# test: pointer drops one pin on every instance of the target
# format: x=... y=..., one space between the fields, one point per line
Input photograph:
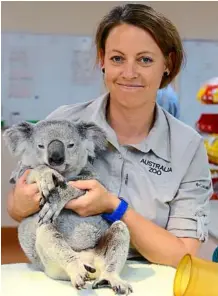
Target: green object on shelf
x=32 y=121
x=2 y=123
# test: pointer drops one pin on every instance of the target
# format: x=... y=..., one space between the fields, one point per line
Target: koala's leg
x=59 y=260
x=27 y=240
x=113 y=248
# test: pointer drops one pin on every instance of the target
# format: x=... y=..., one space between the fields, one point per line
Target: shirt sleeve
x=189 y=210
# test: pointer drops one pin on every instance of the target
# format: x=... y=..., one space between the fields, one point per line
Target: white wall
x=193 y=20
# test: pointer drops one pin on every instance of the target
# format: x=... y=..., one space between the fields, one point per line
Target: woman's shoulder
x=181 y=131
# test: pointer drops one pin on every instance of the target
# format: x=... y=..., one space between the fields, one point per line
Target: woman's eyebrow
x=139 y=53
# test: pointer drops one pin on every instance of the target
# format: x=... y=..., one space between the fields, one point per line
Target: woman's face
x=134 y=65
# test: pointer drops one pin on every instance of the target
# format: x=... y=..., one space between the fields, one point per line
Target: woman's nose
x=129 y=71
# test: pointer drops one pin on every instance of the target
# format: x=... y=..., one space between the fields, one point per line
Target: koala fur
x=58 y=241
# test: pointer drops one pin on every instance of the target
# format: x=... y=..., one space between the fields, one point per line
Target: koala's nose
x=56 y=159
x=56 y=154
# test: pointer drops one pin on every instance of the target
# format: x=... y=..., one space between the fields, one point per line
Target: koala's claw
x=49 y=180
x=101 y=284
x=58 y=179
x=44 y=214
x=41 y=202
x=88 y=278
x=118 y=286
x=49 y=212
x=80 y=275
x=89 y=268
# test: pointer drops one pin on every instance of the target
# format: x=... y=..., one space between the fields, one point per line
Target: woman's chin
x=132 y=101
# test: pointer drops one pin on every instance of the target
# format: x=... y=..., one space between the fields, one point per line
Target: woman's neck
x=131 y=125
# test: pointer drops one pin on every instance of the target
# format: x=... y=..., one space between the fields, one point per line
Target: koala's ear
x=17 y=136
x=95 y=136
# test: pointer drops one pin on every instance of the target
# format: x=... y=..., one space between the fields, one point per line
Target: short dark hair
x=145 y=17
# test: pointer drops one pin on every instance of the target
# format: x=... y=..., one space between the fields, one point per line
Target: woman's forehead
x=128 y=38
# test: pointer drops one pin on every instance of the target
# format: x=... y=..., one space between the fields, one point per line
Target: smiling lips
x=130 y=85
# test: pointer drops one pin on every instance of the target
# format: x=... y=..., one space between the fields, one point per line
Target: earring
x=103 y=70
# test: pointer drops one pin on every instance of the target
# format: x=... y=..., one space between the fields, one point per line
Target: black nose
x=56 y=159
x=56 y=154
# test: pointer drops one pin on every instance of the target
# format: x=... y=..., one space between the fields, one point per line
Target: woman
x=157 y=164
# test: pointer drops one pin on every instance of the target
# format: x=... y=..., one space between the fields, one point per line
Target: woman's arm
x=10 y=207
x=23 y=199
x=155 y=243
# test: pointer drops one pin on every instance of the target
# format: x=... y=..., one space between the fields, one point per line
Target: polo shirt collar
x=98 y=115
x=158 y=139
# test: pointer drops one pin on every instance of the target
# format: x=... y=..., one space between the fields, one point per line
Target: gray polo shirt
x=165 y=178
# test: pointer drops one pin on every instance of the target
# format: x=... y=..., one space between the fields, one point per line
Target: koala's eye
x=41 y=146
x=70 y=145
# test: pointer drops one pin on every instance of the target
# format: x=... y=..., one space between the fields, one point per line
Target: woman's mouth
x=130 y=86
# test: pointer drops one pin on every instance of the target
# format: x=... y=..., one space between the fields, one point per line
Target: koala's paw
x=49 y=212
x=49 y=180
x=79 y=273
x=46 y=178
x=42 y=202
x=114 y=282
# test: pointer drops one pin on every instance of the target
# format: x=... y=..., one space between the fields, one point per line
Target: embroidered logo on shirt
x=198 y=184
x=156 y=168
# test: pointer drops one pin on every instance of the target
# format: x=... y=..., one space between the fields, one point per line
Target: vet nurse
x=155 y=163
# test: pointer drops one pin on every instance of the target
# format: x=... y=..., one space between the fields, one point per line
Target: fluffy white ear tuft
x=17 y=136
x=95 y=137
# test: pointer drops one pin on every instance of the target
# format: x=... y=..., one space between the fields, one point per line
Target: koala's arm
x=56 y=201
x=46 y=179
x=62 y=194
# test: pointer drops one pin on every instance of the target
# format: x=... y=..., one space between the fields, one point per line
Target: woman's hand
x=97 y=199
x=24 y=200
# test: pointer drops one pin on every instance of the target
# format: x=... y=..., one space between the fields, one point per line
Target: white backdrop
x=41 y=72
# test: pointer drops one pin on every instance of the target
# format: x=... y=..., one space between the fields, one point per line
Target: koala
x=56 y=240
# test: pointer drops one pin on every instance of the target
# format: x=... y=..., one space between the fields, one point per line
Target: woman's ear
x=169 y=62
x=101 y=58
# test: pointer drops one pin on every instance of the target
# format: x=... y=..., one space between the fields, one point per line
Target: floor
x=11 y=251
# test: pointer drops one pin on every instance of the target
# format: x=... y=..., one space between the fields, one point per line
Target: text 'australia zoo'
x=156 y=168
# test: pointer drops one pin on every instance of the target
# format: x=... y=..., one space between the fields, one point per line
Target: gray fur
x=58 y=241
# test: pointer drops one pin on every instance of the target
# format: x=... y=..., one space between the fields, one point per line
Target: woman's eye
x=117 y=59
x=70 y=146
x=41 y=146
x=145 y=60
